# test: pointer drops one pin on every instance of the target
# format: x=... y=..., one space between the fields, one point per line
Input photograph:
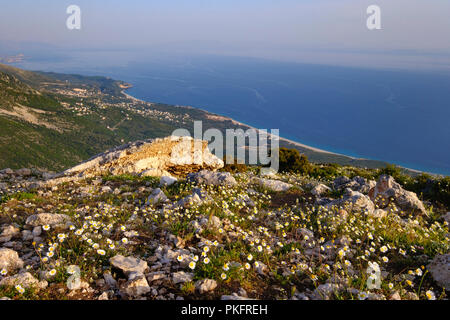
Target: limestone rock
x=320 y=189
x=136 y=286
x=171 y=156
x=43 y=219
x=354 y=201
x=8 y=232
x=182 y=277
x=128 y=264
x=387 y=189
x=440 y=270
x=207 y=285
x=9 y=260
x=26 y=280
x=157 y=196
x=274 y=185
x=167 y=181
x=212 y=178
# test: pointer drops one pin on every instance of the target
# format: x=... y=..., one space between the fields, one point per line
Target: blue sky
x=414 y=32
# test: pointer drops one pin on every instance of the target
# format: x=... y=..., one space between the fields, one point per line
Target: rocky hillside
x=138 y=222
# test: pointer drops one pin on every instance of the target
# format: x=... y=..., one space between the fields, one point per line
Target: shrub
x=292 y=161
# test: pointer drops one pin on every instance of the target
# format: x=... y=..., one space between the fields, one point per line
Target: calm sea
x=397 y=116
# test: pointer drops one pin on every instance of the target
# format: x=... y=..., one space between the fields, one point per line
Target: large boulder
x=171 y=156
x=9 y=260
x=388 y=191
x=212 y=178
x=440 y=270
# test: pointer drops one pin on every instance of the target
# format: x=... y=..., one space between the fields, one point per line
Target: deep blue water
x=397 y=116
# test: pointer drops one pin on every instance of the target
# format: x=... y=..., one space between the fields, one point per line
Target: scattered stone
x=274 y=185
x=206 y=285
x=156 y=197
x=136 y=286
x=182 y=277
x=8 y=232
x=50 y=219
x=128 y=264
x=440 y=270
x=320 y=190
x=9 y=260
x=212 y=178
x=26 y=280
x=167 y=181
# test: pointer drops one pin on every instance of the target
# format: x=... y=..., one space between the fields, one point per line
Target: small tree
x=292 y=161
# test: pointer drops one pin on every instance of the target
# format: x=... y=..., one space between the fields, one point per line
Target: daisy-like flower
x=410 y=283
x=205 y=249
x=223 y=276
x=195 y=258
x=362 y=295
x=123 y=228
x=124 y=240
x=180 y=258
x=384 y=249
x=46 y=227
x=430 y=295
x=50 y=254
x=52 y=272
x=256 y=264
x=391 y=285
x=101 y=252
x=314 y=277
x=61 y=237
x=206 y=260
x=226 y=267
x=20 y=289
x=247 y=266
x=44 y=259
x=250 y=257
x=192 y=265
x=419 y=272
x=385 y=259
x=4 y=272
x=95 y=246
x=112 y=246
x=259 y=248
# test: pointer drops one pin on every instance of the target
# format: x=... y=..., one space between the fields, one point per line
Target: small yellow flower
x=192 y=265
x=52 y=272
x=206 y=261
x=180 y=258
